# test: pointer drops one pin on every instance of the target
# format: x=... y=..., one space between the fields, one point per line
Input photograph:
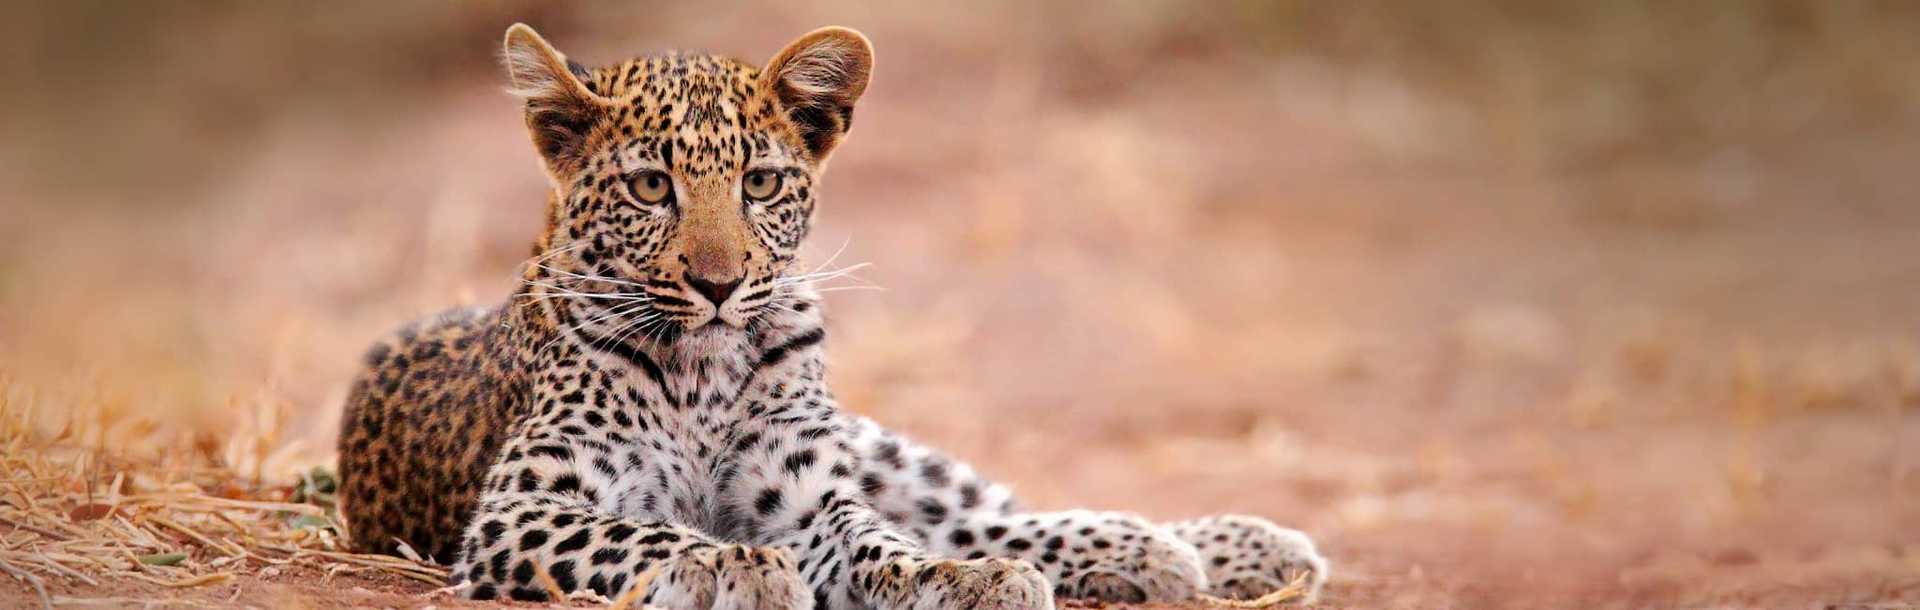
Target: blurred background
x=1499 y=300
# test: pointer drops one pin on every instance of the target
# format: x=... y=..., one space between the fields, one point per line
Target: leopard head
x=682 y=184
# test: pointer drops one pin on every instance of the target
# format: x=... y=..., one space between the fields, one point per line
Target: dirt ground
x=1564 y=310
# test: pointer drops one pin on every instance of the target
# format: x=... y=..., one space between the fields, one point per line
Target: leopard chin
x=709 y=340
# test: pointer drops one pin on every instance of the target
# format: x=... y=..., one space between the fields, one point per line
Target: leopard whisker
x=554 y=292
x=820 y=276
x=641 y=323
x=552 y=252
x=836 y=254
x=612 y=314
x=615 y=312
x=590 y=278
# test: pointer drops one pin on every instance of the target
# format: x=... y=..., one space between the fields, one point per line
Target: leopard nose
x=716 y=292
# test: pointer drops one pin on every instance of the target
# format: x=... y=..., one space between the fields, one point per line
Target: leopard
x=646 y=415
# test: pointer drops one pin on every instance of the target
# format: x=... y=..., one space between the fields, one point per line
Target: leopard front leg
x=540 y=527
x=796 y=489
x=1106 y=556
x=957 y=513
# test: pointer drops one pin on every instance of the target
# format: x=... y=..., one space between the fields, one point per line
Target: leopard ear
x=560 y=108
x=817 y=79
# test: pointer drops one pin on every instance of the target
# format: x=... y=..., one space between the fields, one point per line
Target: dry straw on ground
x=76 y=517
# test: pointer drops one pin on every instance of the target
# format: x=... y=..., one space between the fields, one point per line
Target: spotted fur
x=650 y=405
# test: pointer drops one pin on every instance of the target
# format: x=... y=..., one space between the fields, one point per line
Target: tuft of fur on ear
x=817 y=80
x=560 y=109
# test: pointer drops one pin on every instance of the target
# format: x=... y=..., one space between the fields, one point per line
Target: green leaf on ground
x=163 y=559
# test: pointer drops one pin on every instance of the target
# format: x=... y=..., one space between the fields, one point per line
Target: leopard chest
x=673 y=442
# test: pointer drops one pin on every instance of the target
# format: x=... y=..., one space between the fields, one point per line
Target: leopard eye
x=651 y=187
x=761 y=184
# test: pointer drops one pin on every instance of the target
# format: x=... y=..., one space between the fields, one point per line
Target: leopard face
x=683 y=185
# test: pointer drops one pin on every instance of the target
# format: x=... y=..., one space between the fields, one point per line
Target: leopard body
x=648 y=412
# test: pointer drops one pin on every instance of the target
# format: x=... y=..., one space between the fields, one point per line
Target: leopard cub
x=647 y=412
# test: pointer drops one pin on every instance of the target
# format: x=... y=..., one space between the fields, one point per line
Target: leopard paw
x=1124 y=559
x=1248 y=557
x=730 y=577
x=986 y=584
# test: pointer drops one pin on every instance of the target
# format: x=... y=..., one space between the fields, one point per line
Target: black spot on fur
x=777 y=353
x=969 y=496
x=562 y=573
x=558 y=452
x=497 y=566
x=934 y=472
x=525 y=594
x=799 y=461
x=607 y=555
x=620 y=532
x=768 y=502
x=933 y=509
x=490 y=532
x=533 y=539
x=573 y=543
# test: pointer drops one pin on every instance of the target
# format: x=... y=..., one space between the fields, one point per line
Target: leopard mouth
x=689 y=316
x=615 y=303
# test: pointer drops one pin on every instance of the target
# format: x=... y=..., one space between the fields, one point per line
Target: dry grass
x=78 y=516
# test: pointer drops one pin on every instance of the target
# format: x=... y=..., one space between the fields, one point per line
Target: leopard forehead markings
x=559 y=439
x=699 y=104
